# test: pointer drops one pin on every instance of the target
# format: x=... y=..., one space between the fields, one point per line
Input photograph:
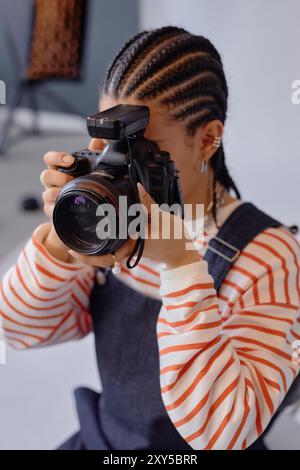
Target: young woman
x=182 y=365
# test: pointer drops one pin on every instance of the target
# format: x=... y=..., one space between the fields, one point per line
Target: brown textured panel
x=56 y=39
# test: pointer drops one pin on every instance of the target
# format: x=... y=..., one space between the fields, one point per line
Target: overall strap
x=243 y=224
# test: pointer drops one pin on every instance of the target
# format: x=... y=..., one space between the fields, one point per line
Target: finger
x=96 y=145
x=104 y=261
x=50 y=195
x=52 y=177
x=55 y=159
x=125 y=250
x=147 y=200
x=48 y=210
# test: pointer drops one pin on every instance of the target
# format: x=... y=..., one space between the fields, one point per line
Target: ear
x=204 y=139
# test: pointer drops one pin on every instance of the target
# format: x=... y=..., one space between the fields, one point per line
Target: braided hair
x=184 y=72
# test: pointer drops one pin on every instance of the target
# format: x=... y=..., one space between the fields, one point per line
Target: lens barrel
x=79 y=213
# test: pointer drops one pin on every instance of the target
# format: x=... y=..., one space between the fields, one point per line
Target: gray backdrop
x=110 y=23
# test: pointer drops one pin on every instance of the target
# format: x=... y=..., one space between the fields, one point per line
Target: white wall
x=259 y=41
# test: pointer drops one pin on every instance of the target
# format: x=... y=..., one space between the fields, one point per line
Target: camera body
x=102 y=177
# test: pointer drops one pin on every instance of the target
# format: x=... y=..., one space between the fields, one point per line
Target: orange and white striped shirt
x=225 y=360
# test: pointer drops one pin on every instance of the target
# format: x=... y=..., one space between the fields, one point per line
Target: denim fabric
x=242 y=225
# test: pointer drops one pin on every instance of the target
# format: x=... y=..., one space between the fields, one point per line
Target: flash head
x=113 y=122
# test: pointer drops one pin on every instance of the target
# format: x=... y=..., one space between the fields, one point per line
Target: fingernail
x=141 y=189
x=68 y=159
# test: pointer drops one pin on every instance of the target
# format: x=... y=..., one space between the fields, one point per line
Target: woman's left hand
x=165 y=241
x=166 y=238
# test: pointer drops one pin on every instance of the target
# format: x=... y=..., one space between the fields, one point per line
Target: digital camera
x=102 y=177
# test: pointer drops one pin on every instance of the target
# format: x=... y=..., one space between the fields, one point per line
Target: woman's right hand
x=53 y=180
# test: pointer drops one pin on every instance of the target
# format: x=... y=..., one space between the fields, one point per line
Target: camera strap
x=137 y=251
x=140 y=242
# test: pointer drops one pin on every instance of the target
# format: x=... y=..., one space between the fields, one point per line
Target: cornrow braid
x=165 y=56
x=124 y=62
x=210 y=87
x=219 y=165
x=178 y=74
x=221 y=174
x=110 y=69
x=210 y=113
x=184 y=72
x=137 y=49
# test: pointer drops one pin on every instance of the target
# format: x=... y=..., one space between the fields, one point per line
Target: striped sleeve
x=226 y=361
x=44 y=301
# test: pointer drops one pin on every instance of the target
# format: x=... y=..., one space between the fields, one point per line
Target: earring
x=204 y=166
x=217 y=142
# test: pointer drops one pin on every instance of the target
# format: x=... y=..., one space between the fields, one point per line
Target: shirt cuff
x=38 y=238
x=184 y=276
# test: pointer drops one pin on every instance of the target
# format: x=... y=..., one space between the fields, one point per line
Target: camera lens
x=80 y=219
x=83 y=219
